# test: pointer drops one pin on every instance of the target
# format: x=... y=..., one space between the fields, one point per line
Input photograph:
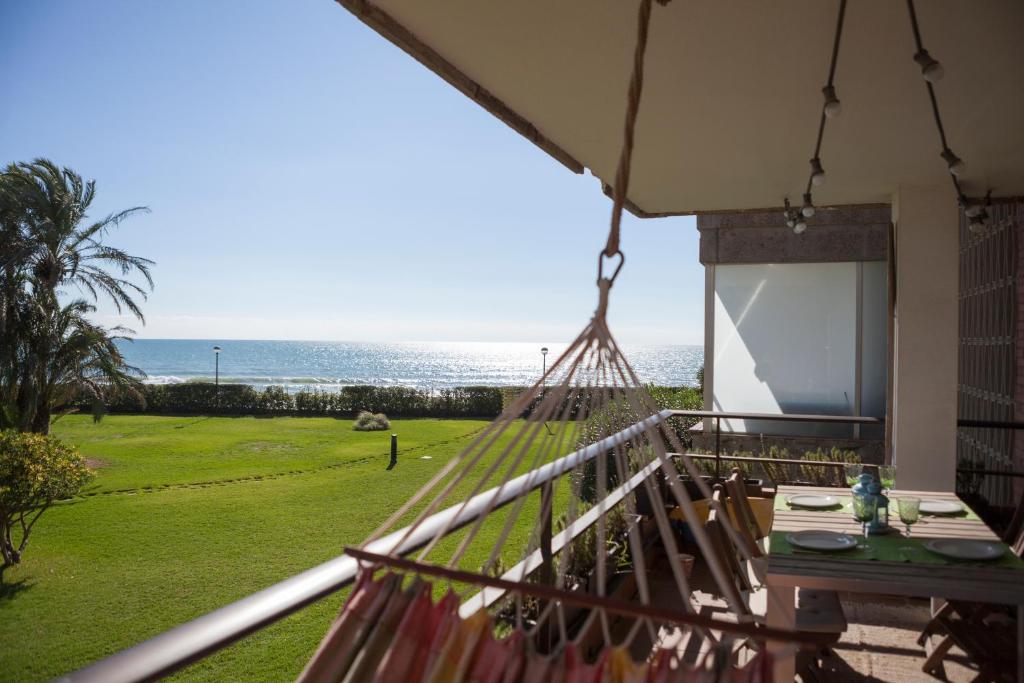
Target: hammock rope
x=589 y=402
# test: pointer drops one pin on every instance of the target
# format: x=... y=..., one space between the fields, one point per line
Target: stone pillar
x=924 y=407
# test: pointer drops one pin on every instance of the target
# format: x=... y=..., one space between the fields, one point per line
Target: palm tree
x=53 y=355
x=55 y=202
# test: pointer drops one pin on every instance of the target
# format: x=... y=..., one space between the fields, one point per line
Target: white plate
x=821 y=540
x=941 y=507
x=812 y=500
x=966 y=549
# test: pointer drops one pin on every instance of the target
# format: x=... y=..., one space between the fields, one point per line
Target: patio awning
x=733 y=91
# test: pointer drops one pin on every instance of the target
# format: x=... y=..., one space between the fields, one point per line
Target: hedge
x=243 y=399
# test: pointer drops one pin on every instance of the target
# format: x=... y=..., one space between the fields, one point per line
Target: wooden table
x=831 y=571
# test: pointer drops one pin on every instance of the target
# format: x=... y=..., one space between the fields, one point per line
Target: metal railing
x=190 y=642
x=990 y=424
x=796 y=417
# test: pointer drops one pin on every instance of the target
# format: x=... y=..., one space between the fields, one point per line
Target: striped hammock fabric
x=388 y=633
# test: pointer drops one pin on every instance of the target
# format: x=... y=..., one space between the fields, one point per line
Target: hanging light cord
x=829 y=85
x=935 y=103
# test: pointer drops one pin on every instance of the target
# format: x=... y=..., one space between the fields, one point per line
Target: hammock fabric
x=592 y=439
x=465 y=651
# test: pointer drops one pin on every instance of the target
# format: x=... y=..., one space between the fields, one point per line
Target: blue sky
x=309 y=180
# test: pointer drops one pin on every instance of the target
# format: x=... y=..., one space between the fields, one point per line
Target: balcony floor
x=881 y=643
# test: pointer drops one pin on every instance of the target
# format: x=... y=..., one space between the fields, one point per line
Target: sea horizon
x=428 y=365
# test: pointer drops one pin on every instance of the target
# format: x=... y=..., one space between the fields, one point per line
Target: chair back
x=723 y=548
x=1013 y=533
x=746 y=522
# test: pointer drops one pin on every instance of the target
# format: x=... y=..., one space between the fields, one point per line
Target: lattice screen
x=987 y=354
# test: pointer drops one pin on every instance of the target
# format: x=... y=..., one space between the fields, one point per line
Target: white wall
x=785 y=341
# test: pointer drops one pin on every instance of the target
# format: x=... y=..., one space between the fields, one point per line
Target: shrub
x=203 y=398
x=370 y=422
x=35 y=470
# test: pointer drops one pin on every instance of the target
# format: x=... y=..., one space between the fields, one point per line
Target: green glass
x=852 y=473
x=864 y=511
x=910 y=511
x=887 y=476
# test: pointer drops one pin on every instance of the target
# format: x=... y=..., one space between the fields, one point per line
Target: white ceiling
x=733 y=91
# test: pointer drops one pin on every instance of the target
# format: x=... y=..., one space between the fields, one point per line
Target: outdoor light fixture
x=216 y=372
x=793 y=216
x=955 y=163
x=808 y=208
x=797 y=219
x=817 y=172
x=832 y=105
x=930 y=68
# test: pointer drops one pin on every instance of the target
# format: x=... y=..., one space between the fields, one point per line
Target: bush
x=370 y=422
x=35 y=470
x=201 y=398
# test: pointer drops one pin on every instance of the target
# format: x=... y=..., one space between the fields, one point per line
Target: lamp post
x=544 y=360
x=216 y=367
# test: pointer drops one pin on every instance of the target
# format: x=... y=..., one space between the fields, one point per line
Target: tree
x=52 y=354
x=35 y=471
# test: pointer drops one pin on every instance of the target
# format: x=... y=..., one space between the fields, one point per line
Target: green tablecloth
x=846 y=506
x=890 y=548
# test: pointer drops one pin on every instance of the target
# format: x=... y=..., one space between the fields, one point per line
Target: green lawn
x=187 y=514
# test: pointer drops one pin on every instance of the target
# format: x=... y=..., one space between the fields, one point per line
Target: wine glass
x=887 y=476
x=910 y=510
x=864 y=508
x=852 y=473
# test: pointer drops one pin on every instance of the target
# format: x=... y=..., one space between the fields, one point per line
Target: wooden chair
x=817 y=611
x=979 y=629
x=746 y=522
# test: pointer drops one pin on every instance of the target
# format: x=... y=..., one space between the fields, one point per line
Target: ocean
x=423 y=365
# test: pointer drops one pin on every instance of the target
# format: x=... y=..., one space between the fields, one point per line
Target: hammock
x=554 y=600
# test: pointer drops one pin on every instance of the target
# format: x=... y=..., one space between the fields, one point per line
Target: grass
x=187 y=514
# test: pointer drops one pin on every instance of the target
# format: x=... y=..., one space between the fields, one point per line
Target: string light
x=953 y=162
x=832 y=104
x=808 y=208
x=817 y=172
x=793 y=218
x=977 y=214
x=930 y=68
x=830 y=109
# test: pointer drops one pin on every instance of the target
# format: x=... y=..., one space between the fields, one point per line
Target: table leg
x=782 y=614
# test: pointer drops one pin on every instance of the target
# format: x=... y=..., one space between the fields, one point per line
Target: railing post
x=546 y=574
x=718 y=449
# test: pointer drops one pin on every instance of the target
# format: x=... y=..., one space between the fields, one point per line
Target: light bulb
x=808 y=208
x=933 y=72
x=930 y=68
x=799 y=227
x=954 y=163
x=790 y=223
x=832 y=105
x=973 y=210
x=817 y=172
x=977 y=225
